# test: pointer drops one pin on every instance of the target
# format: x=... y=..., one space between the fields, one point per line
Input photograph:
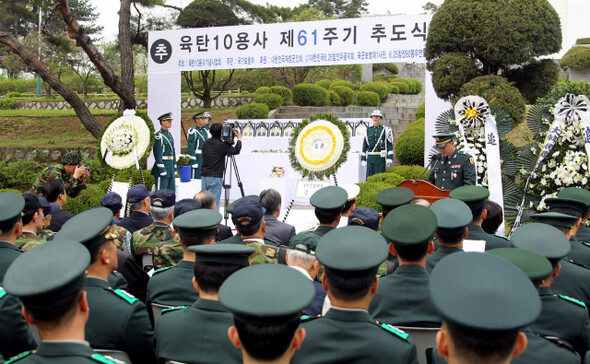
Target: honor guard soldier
x=164 y=170
x=580 y=194
x=49 y=281
x=484 y=302
x=196 y=138
x=402 y=297
x=348 y=333
x=198 y=333
x=377 y=151
x=266 y=301
x=118 y=320
x=452 y=168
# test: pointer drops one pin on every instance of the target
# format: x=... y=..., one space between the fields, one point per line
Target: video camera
x=228 y=133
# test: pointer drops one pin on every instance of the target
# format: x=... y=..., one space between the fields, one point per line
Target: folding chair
x=424 y=337
x=115 y=354
x=157 y=310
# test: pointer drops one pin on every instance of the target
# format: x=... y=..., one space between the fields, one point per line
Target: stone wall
x=42 y=155
x=186 y=103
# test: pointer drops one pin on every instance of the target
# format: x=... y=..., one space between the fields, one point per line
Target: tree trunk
x=34 y=64
x=126 y=48
x=83 y=41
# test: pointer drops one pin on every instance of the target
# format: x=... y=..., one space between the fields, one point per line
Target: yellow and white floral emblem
x=319 y=145
x=125 y=141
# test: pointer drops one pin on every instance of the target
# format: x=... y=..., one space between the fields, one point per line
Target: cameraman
x=71 y=171
x=214 y=151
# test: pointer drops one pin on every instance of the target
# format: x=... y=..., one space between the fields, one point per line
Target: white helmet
x=377 y=113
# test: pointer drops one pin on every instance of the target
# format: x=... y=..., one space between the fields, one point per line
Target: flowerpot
x=185 y=173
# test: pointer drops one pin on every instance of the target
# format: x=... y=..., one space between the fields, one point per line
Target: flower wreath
x=319 y=146
x=126 y=140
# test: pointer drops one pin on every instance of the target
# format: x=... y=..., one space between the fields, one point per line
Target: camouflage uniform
x=146 y=239
x=167 y=254
x=265 y=253
x=28 y=241
x=54 y=171
x=46 y=234
x=123 y=239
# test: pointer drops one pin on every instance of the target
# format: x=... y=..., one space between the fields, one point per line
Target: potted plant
x=184 y=168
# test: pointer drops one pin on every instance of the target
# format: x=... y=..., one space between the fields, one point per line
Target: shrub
x=382 y=77
x=393 y=89
x=14 y=94
x=7 y=103
x=345 y=94
x=380 y=88
x=417 y=85
x=306 y=94
x=324 y=83
x=416 y=124
x=409 y=148
x=252 y=111
x=273 y=101
x=409 y=172
x=374 y=185
x=19 y=175
x=262 y=90
x=282 y=91
x=87 y=199
x=404 y=87
x=421 y=112
x=367 y=98
x=583 y=41
x=334 y=98
x=564 y=87
x=535 y=79
x=577 y=58
x=450 y=72
x=17 y=85
x=343 y=83
x=392 y=179
x=391 y=67
x=498 y=92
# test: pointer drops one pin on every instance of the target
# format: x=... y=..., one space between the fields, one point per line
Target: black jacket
x=214 y=152
x=137 y=220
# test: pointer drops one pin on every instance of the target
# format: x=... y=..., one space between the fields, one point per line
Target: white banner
x=314 y=43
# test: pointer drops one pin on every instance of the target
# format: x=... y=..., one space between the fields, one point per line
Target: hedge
x=252 y=111
x=409 y=148
x=343 y=83
x=324 y=83
x=334 y=98
x=380 y=88
x=307 y=94
x=583 y=41
x=393 y=89
x=409 y=172
x=282 y=91
x=345 y=94
x=273 y=101
x=382 y=77
x=367 y=98
x=416 y=124
x=421 y=112
x=577 y=58
x=262 y=90
x=7 y=103
x=404 y=87
x=374 y=185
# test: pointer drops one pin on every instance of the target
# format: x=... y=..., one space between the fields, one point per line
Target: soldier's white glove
x=364 y=163
x=388 y=163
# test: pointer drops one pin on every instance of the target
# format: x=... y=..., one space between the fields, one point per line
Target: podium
x=425 y=190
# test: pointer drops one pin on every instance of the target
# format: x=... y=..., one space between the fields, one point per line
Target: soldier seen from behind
x=580 y=194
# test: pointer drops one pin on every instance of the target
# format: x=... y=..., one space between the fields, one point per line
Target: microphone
x=433 y=159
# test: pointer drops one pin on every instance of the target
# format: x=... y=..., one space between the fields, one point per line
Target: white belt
x=198 y=152
x=374 y=153
x=168 y=158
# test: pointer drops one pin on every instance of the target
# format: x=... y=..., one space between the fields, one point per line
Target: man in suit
x=402 y=297
x=348 y=333
x=55 y=193
x=198 y=333
x=138 y=198
x=452 y=168
x=276 y=230
x=55 y=303
x=117 y=320
x=207 y=201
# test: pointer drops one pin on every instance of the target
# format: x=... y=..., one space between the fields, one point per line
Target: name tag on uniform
x=456 y=166
x=383 y=154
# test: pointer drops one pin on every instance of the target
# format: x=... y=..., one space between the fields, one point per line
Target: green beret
x=202 y=222
x=351 y=249
x=473 y=196
x=394 y=197
x=266 y=294
x=534 y=265
x=477 y=292
x=90 y=227
x=11 y=209
x=409 y=224
x=452 y=215
x=305 y=241
x=567 y=203
x=71 y=158
x=166 y=116
x=542 y=239
x=442 y=139
x=555 y=219
x=50 y=271
x=222 y=253
x=329 y=198
x=576 y=193
x=230 y=207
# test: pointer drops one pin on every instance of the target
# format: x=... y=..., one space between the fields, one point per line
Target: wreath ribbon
x=569 y=110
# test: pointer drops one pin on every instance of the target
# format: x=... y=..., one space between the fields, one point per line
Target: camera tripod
x=230 y=161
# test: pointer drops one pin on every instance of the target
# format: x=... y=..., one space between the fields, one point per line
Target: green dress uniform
x=565 y=318
x=8 y=253
x=377 y=149
x=580 y=252
x=54 y=171
x=572 y=281
x=146 y=239
x=476 y=232
x=353 y=336
x=196 y=139
x=62 y=352
x=453 y=171
x=322 y=230
x=442 y=251
x=173 y=286
x=165 y=156
x=403 y=299
x=196 y=334
x=118 y=321
x=583 y=234
x=15 y=336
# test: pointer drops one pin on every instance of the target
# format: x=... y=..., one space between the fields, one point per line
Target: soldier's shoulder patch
x=471 y=160
x=2 y=292
x=128 y=297
x=101 y=359
x=170 y=309
x=19 y=357
x=394 y=330
x=570 y=299
x=161 y=270
x=306 y=318
x=585 y=243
